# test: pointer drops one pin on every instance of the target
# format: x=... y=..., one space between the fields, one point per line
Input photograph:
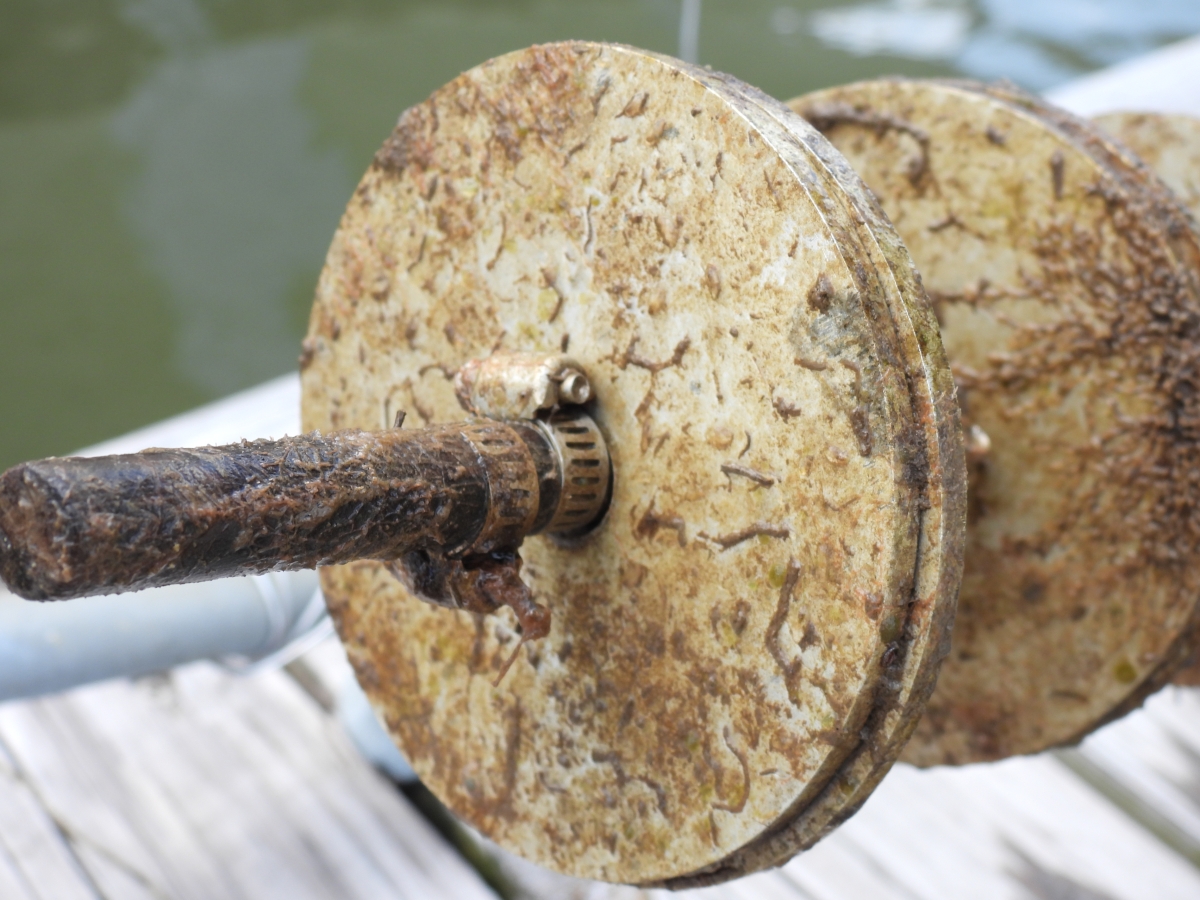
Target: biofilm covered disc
x=760 y=611
x=1064 y=278
x=1170 y=146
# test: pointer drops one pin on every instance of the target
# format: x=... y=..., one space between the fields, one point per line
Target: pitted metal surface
x=727 y=641
x=1064 y=277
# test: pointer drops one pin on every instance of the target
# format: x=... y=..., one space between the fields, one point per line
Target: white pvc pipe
x=48 y=647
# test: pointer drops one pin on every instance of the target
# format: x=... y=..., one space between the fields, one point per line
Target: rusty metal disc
x=1170 y=145
x=759 y=601
x=1064 y=278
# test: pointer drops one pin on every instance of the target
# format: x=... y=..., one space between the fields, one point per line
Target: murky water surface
x=171 y=171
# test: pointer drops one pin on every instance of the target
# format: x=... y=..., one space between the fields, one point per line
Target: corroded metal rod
x=74 y=527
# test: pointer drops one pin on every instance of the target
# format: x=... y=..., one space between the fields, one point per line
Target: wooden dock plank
x=1006 y=830
x=36 y=862
x=201 y=784
x=1149 y=764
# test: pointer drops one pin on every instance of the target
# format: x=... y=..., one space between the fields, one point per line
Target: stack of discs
x=741 y=647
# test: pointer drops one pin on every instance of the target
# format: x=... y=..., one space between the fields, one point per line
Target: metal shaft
x=75 y=527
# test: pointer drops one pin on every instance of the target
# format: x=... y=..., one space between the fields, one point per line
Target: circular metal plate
x=726 y=642
x=1063 y=277
x=1170 y=145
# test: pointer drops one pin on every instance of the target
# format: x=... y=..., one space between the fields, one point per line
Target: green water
x=171 y=171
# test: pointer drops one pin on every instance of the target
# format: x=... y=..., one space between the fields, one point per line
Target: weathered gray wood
x=1149 y=764
x=1005 y=830
x=200 y=784
x=36 y=860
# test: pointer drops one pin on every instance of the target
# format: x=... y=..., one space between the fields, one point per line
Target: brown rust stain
x=631 y=358
x=758 y=529
x=820 y=295
x=651 y=521
x=1057 y=165
x=788 y=668
x=746 y=472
